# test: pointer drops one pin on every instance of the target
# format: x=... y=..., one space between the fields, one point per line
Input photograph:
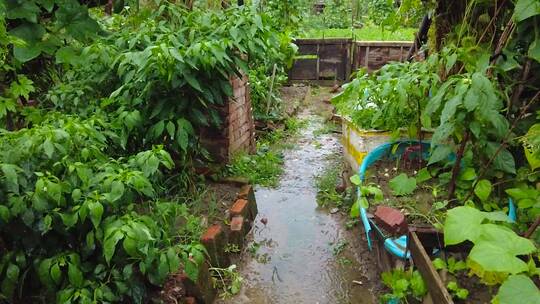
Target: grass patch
x=266 y=165
x=367 y=33
x=327 y=128
x=327 y=182
x=326 y=187
x=262 y=168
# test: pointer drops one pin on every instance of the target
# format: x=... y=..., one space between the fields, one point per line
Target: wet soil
x=417 y=207
x=300 y=253
x=215 y=201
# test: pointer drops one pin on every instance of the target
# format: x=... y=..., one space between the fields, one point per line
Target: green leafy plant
x=404 y=283
x=456 y=291
x=83 y=164
x=389 y=99
x=496 y=247
x=228 y=280
x=365 y=192
x=452 y=265
x=326 y=184
x=402 y=184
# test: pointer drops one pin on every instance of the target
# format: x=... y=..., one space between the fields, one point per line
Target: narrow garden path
x=301 y=253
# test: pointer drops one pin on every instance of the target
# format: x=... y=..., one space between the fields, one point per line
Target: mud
x=300 y=253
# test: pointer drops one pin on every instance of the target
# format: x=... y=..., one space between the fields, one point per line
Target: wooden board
x=436 y=288
x=334 y=59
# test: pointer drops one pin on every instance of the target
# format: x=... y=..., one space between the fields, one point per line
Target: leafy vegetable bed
x=406 y=189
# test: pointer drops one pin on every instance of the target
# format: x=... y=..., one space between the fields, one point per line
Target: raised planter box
x=357 y=142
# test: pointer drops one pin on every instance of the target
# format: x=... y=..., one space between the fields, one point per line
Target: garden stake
x=269 y=97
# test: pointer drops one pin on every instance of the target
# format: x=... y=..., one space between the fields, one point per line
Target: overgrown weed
x=266 y=165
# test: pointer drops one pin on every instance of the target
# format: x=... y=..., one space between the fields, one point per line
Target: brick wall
x=237 y=131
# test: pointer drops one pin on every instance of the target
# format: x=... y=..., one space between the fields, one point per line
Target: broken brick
x=392 y=220
x=238 y=231
x=247 y=193
x=240 y=207
x=215 y=240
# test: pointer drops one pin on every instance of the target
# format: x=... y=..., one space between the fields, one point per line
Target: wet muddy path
x=303 y=254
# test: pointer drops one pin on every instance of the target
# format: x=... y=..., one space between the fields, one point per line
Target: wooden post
x=318 y=59
x=109 y=7
x=366 y=60
x=269 y=97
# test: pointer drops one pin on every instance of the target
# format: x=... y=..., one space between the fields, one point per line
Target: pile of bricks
x=237 y=131
x=216 y=239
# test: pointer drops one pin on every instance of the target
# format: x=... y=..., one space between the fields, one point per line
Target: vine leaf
x=518 y=289
x=483 y=189
x=402 y=184
x=440 y=153
x=496 y=247
x=534 y=49
x=504 y=160
x=526 y=9
x=355 y=179
x=462 y=223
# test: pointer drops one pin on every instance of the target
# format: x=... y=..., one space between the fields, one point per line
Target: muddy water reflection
x=297 y=261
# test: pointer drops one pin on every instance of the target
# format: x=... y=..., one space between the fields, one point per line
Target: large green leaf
x=462 y=223
x=11 y=177
x=402 y=184
x=96 y=212
x=534 y=49
x=31 y=34
x=497 y=249
x=109 y=245
x=518 y=289
x=525 y=9
x=22 y=10
x=504 y=160
x=75 y=275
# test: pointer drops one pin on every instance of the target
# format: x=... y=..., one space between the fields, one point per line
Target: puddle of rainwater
x=302 y=256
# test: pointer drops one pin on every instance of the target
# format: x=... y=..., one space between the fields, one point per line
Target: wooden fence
x=331 y=61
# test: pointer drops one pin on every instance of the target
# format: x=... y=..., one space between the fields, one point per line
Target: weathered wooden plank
x=307 y=49
x=322 y=41
x=335 y=59
x=304 y=69
x=384 y=43
x=422 y=261
x=366 y=60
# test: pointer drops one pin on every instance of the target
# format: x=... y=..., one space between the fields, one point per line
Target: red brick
x=237 y=223
x=240 y=207
x=190 y=300
x=239 y=228
x=215 y=240
x=211 y=233
x=247 y=193
x=391 y=219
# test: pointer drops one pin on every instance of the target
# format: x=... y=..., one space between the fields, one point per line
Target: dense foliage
x=478 y=93
x=99 y=116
